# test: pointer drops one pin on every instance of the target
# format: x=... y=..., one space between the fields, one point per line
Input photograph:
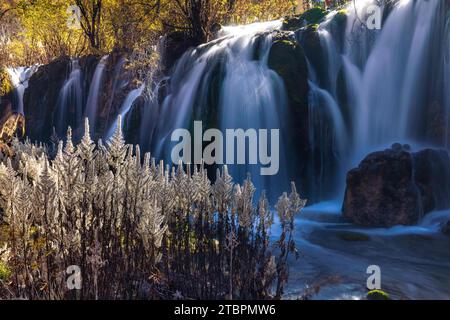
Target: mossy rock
x=353 y=236
x=310 y=41
x=377 y=295
x=5 y=83
x=288 y=60
x=312 y=16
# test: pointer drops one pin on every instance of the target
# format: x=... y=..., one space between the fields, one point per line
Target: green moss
x=286 y=58
x=353 y=236
x=314 y=15
x=314 y=27
x=377 y=295
x=311 y=17
x=5 y=83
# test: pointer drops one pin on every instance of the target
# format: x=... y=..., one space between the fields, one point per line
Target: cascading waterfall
x=70 y=100
x=125 y=108
x=231 y=73
x=390 y=92
x=19 y=79
x=252 y=96
x=94 y=91
x=386 y=75
x=371 y=89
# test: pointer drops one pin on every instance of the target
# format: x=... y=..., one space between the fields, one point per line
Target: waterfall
x=19 y=79
x=94 y=91
x=125 y=108
x=385 y=77
x=227 y=84
x=390 y=92
x=70 y=100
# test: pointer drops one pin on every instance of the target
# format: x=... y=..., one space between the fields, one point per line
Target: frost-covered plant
x=136 y=229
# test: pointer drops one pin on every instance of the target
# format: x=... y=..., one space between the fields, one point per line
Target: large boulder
x=397 y=187
x=311 y=16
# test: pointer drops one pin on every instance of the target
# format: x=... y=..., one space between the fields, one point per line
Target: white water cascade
x=447 y=81
x=384 y=75
x=231 y=73
x=19 y=79
x=94 y=91
x=125 y=108
x=70 y=97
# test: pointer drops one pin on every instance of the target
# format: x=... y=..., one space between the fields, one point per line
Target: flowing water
x=389 y=80
x=19 y=79
x=125 y=108
x=387 y=76
x=95 y=90
x=372 y=88
x=227 y=85
x=70 y=101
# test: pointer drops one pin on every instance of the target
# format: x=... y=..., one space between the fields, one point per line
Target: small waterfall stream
x=125 y=108
x=95 y=91
x=70 y=100
x=19 y=79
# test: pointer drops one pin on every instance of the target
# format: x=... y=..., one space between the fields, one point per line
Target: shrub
x=137 y=229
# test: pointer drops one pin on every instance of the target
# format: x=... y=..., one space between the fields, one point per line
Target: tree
x=91 y=19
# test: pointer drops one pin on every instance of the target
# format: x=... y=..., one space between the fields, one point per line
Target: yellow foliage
x=39 y=30
x=5 y=82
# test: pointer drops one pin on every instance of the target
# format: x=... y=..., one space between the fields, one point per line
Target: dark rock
x=174 y=45
x=446 y=228
x=41 y=96
x=312 y=16
x=353 y=236
x=132 y=122
x=287 y=59
x=432 y=176
x=381 y=191
x=396 y=147
x=310 y=41
x=436 y=124
x=396 y=187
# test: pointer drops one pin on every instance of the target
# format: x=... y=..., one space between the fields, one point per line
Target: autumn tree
x=91 y=18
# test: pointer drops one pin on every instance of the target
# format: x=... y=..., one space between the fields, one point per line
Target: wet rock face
x=174 y=45
x=40 y=98
x=396 y=187
x=381 y=191
x=432 y=176
x=287 y=59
